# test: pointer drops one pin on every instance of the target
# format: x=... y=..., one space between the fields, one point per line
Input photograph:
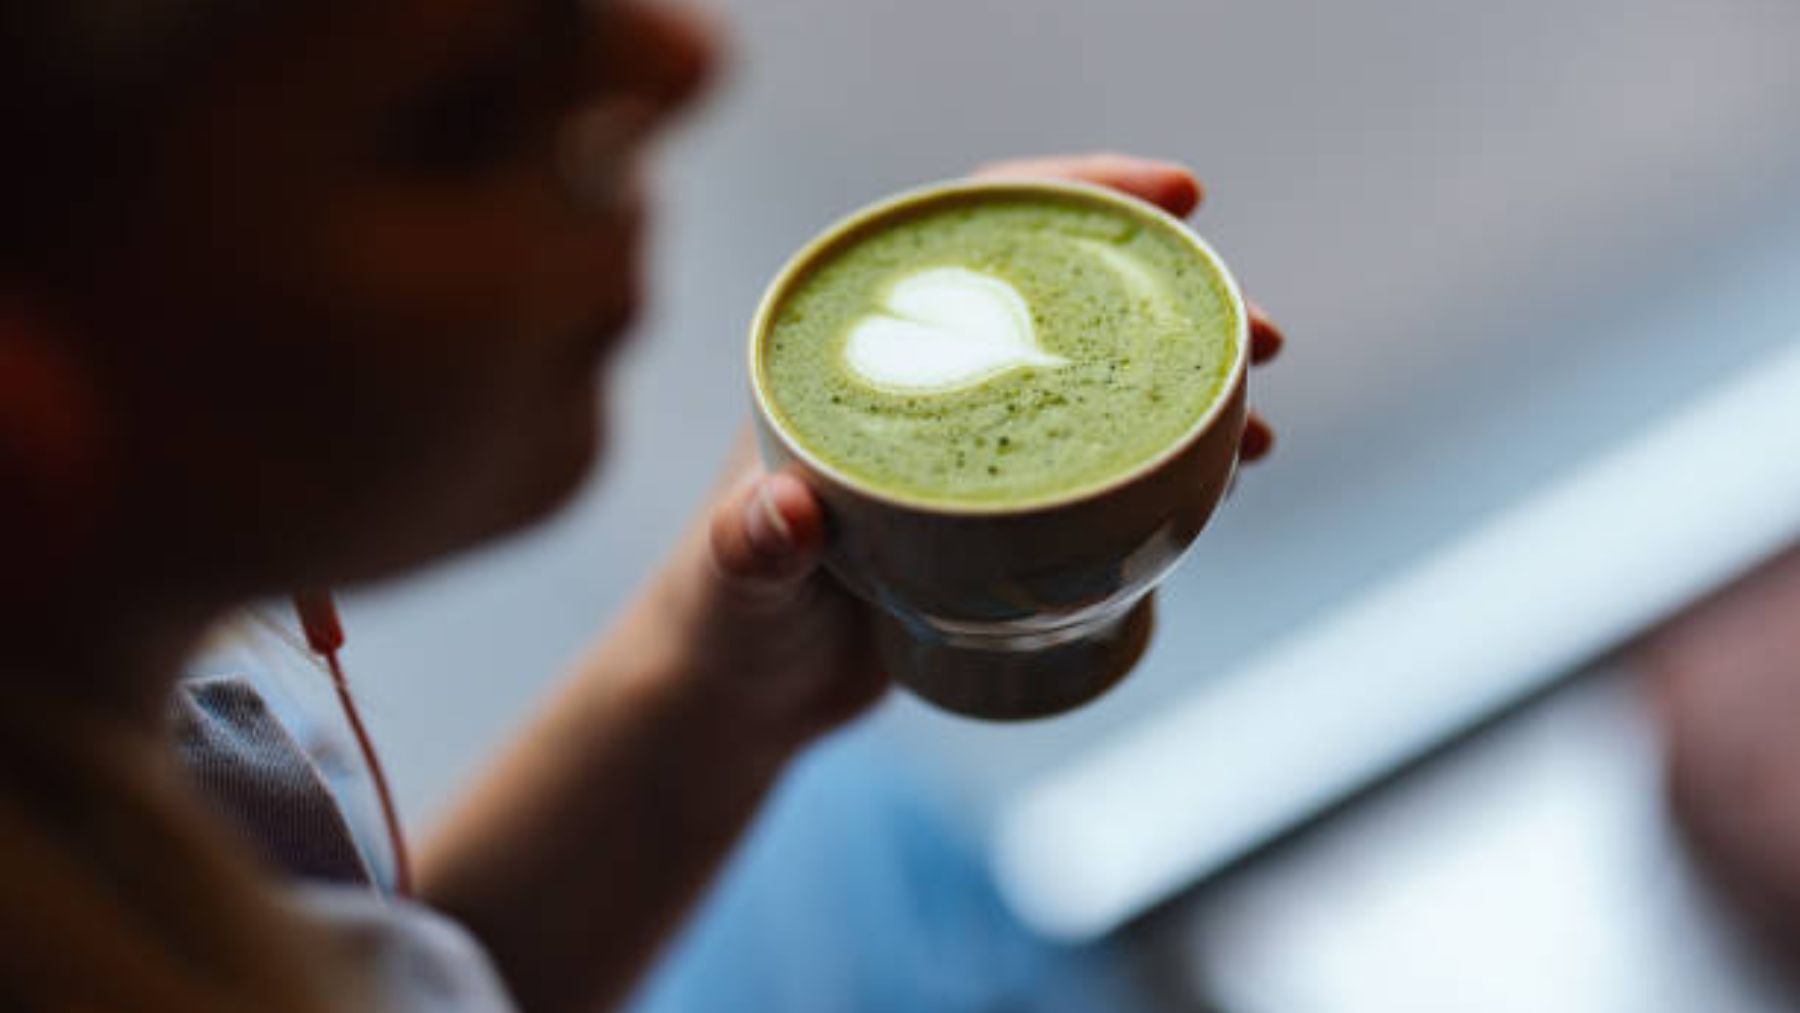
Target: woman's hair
x=116 y=889
x=118 y=892
x=83 y=86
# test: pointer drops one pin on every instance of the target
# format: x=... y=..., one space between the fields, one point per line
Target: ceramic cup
x=1007 y=613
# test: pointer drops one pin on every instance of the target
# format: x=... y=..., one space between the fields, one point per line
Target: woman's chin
x=564 y=462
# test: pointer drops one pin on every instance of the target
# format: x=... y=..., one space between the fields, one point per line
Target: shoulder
x=417 y=960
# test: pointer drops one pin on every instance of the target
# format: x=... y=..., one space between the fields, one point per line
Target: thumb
x=767 y=534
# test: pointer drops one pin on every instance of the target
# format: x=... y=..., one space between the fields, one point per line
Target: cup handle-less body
x=1009 y=616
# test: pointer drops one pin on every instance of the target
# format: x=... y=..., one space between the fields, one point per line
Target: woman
x=297 y=295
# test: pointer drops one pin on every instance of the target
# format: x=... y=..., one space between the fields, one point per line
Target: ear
x=51 y=443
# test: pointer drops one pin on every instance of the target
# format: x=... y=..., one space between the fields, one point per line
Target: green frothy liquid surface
x=1145 y=323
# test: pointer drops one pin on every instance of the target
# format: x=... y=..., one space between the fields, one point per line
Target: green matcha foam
x=1011 y=350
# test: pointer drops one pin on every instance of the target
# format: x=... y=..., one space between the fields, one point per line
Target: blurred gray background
x=1482 y=225
x=1453 y=208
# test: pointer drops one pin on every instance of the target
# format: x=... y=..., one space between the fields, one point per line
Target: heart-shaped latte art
x=944 y=329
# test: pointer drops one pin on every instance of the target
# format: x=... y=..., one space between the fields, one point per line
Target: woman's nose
x=662 y=52
x=650 y=60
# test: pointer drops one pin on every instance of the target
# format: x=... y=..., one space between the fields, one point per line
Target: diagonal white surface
x=1620 y=543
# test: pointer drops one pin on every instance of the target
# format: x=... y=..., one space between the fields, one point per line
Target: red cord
x=325 y=635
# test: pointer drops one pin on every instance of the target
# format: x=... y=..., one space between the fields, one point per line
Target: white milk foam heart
x=944 y=329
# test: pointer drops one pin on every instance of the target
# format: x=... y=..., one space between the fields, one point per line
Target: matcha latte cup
x=1019 y=402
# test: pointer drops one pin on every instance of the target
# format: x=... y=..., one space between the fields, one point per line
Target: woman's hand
x=1725 y=684
x=578 y=852
x=777 y=629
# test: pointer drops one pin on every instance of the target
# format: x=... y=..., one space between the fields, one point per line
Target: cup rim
x=919 y=196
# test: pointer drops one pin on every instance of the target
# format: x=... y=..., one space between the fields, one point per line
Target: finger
x=1259 y=439
x=767 y=532
x=1167 y=185
x=1266 y=339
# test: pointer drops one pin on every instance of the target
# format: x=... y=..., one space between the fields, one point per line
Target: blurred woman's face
x=362 y=320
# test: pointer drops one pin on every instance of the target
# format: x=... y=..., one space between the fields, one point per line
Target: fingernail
x=768 y=530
